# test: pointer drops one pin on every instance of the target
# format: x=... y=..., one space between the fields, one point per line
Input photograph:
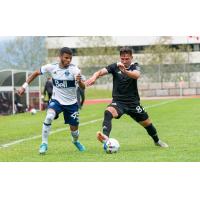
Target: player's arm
x=28 y=81
x=95 y=76
x=132 y=74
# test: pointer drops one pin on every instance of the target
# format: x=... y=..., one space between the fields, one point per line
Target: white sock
x=47 y=125
x=75 y=135
x=45 y=133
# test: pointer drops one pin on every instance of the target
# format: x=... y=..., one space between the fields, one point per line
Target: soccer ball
x=111 y=146
x=33 y=111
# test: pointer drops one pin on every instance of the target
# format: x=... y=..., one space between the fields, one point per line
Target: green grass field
x=177 y=122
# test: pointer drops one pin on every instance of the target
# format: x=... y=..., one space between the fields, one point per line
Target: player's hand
x=78 y=78
x=121 y=67
x=90 y=81
x=21 y=91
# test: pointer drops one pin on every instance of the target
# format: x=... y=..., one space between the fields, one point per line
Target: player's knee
x=108 y=115
x=145 y=123
x=50 y=116
x=113 y=111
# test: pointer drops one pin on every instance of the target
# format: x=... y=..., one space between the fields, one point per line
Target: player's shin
x=45 y=132
x=75 y=135
x=107 y=123
x=151 y=130
x=47 y=126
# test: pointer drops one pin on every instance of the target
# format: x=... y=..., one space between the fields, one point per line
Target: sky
x=5 y=38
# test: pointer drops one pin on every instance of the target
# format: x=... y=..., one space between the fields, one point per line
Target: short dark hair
x=124 y=50
x=65 y=50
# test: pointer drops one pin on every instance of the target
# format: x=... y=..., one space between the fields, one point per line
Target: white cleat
x=161 y=144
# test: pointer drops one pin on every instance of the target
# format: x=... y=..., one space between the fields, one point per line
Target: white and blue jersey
x=64 y=83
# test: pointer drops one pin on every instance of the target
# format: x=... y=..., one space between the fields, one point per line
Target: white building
x=137 y=43
x=149 y=86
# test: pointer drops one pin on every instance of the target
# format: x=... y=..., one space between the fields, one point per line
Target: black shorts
x=135 y=111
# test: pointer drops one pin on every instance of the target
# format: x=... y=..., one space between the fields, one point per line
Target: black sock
x=107 y=125
x=151 y=130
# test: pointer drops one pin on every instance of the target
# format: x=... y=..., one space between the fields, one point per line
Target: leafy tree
x=96 y=51
x=164 y=61
x=23 y=53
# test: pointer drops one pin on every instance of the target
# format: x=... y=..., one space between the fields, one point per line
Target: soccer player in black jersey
x=125 y=96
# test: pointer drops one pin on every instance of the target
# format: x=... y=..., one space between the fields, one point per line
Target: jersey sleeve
x=110 y=68
x=76 y=71
x=135 y=66
x=46 y=68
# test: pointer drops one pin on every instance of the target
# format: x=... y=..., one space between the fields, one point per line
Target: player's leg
x=49 y=97
x=151 y=130
x=82 y=93
x=78 y=94
x=75 y=138
x=54 y=108
x=110 y=113
x=46 y=130
x=71 y=116
x=141 y=116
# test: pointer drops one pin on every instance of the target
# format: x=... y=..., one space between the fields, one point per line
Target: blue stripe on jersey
x=63 y=83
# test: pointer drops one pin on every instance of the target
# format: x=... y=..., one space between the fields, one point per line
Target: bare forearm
x=96 y=75
x=33 y=76
x=99 y=73
x=132 y=74
x=29 y=80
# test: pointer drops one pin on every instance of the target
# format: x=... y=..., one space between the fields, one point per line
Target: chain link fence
x=159 y=80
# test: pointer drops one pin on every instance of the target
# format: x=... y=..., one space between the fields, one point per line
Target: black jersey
x=124 y=88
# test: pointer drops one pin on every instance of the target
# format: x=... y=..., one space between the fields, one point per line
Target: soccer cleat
x=161 y=144
x=43 y=148
x=79 y=146
x=102 y=137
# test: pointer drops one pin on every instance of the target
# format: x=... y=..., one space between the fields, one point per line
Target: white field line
x=82 y=124
x=160 y=104
x=38 y=136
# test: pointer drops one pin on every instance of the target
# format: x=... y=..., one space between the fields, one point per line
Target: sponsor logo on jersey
x=63 y=83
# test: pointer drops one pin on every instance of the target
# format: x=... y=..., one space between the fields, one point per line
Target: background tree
x=96 y=52
x=26 y=53
x=164 y=62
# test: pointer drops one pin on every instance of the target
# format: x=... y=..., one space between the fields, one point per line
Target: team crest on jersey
x=67 y=73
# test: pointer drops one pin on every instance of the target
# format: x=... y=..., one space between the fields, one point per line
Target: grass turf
x=176 y=122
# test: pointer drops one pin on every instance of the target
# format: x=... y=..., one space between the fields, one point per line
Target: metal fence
x=160 y=80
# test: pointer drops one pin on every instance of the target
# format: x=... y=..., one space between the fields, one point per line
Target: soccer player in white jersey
x=64 y=76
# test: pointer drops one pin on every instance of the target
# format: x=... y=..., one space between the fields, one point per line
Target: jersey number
x=139 y=109
x=75 y=115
